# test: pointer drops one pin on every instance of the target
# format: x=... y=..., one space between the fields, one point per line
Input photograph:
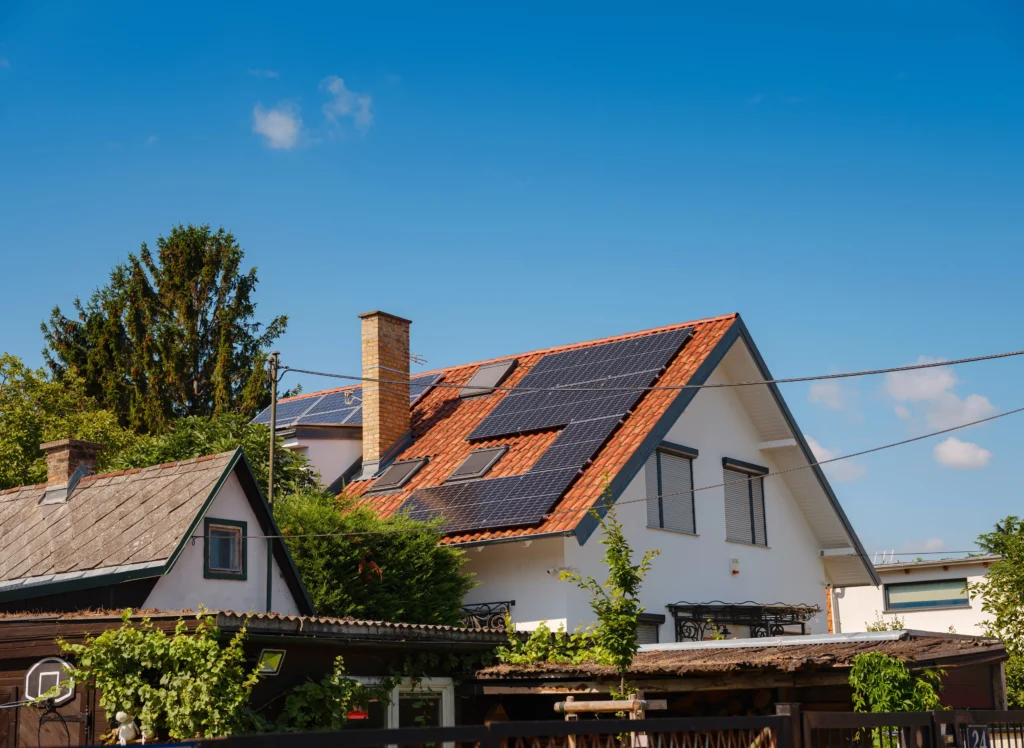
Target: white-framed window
x=745 y=520
x=424 y=702
x=669 y=478
x=940 y=593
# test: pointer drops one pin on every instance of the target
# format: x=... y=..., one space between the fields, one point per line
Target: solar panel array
x=588 y=415
x=344 y=408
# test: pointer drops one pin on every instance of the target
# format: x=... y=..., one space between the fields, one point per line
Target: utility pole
x=275 y=363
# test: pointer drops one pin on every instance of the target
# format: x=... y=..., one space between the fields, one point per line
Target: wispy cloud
x=281 y=125
x=960 y=455
x=345 y=103
x=756 y=99
x=926 y=545
x=845 y=471
x=263 y=73
x=831 y=394
x=930 y=391
x=4 y=63
x=151 y=140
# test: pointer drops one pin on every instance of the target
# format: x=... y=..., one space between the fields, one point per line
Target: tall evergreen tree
x=170 y=335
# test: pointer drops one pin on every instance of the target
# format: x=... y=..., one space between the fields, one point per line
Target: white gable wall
x=856 y=607
x=185 y=588
x=698 y=568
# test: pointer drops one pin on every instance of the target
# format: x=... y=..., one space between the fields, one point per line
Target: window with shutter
x=745 y=520
x=669 y=479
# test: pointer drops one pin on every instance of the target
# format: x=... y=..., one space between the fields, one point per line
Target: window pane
x=419 y=710
x=224 y=549
x=940 y=594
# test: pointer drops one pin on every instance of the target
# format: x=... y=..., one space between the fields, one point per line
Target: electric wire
x=582 y=510
x=672 y=387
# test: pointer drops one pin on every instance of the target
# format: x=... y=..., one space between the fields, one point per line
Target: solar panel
x=634 y=363
x=594 y=388
x=498 y=502
x=344 y=408
x=487 y=377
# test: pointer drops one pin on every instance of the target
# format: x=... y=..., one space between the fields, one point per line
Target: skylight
x=398 y=474
x=478 y=463
x=487 y=377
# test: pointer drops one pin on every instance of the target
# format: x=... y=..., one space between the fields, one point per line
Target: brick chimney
x=386 y=414
x=67 y=462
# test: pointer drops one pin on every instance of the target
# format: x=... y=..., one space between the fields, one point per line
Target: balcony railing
x=694 y=621
x=486 y=615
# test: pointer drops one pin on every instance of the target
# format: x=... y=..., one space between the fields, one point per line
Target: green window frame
x=216 y=530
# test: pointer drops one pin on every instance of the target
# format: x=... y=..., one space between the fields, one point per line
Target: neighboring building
x=924 y=595
x=517 y=471
x=175 y=537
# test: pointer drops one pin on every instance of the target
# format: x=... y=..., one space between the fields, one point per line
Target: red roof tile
x=441 y=422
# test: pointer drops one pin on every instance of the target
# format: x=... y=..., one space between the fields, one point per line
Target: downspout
x=274 y=362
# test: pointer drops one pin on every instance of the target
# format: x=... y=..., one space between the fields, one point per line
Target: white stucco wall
x=185 y=588
x=693 y=568
x=329 y=457
x=524 y=573
x=855 y=607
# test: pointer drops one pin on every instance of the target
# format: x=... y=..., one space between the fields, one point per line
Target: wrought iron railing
x=694 y=621
x=486 y=615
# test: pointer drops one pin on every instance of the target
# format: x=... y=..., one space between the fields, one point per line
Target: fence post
x=789 y=732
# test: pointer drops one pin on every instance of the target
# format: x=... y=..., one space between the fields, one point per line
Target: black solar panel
x=343 y=408
x=499 y=502
x=596 y=387
x=632 y=363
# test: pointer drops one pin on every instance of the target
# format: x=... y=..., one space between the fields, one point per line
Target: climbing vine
x=325 y=704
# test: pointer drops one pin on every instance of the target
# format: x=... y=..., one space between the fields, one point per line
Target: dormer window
x=398 y=474
x=478 y=464
x=487 y=377
x=225 y=549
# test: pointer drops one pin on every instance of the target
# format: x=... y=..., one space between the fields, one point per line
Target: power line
x=690 y=491
x=788 y=380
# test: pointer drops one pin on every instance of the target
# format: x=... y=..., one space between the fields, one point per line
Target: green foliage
x=36 y=408
x=881 y=624
x=615 y=603
x=170 y=335
x=398 y=574
x=324 y=705
x=183 y=686
x=1001 y=592
x=198 y=436
x=882 y=683
x=612 y=639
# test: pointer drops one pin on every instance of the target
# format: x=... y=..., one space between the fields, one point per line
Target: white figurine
x=125 y=728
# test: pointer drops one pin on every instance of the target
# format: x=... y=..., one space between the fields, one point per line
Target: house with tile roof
x=517 y=455
x=174 y=537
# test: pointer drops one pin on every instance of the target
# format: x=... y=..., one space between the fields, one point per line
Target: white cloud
x=281 y=125
x=959 y=455
x=151 y=140
x=932 y=391
x=263 y=73
x=830 y=394
x=845 y=471
x=346 y=103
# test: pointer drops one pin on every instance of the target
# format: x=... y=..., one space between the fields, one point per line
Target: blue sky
x=849 y=178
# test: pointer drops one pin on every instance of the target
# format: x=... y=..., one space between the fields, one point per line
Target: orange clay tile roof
x=441 y=422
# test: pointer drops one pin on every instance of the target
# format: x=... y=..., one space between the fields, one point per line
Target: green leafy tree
x=882 y=624
x=615 y=603
x=184 y=686
x=355 y=563
x=172 y=334
x=325 y=704
x=197 y=436
x=36 y=408
x=1001 y=592
x=882 y=683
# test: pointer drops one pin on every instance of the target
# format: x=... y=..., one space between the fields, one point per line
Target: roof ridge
x=539 y=351
x=154 y=468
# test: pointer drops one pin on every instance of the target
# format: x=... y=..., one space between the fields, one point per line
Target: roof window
x=398 y=474
x=478 y=463
x=487 y=377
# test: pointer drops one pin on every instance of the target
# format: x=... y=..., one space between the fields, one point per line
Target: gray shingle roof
x=128 y=518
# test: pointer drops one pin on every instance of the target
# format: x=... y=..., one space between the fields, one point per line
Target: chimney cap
x=379 y=313
x=71 y=444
